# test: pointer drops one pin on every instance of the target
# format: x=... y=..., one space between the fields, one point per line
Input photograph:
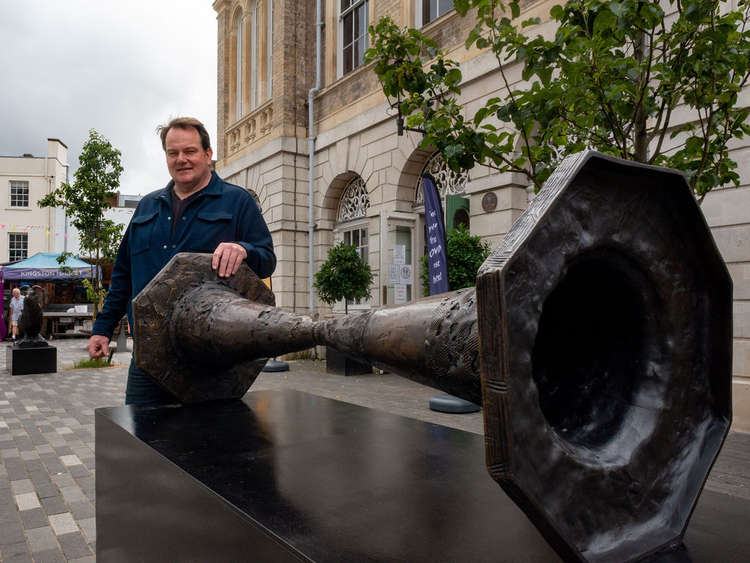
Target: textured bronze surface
x=605 y=360
x=30 y=322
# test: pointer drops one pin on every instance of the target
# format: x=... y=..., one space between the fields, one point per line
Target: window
x=354 y=201
x=19 y=193
x=269 y=49
x=254 y=56
x=358 y=238
x=353 y=25
x=433 y=9
x=18 y=246
x=240 y=67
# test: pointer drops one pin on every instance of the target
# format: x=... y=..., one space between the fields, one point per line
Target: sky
x=120 y=67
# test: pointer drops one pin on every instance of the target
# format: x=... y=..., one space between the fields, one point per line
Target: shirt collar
x=213 y=188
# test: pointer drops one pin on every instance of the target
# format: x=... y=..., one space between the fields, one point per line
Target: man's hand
x=98 y=346
x=227 y=258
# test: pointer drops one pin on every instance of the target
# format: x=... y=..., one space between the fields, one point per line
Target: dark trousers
x=142 y=390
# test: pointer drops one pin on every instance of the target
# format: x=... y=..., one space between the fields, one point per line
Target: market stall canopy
x=44 y=266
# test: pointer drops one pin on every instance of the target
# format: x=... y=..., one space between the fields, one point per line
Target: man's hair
x=184 y=123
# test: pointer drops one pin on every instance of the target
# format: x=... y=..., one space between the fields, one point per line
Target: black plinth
x=287 y=476
x=25 y=361
x=341 y=364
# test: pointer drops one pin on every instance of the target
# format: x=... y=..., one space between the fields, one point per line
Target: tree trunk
x=640 y=138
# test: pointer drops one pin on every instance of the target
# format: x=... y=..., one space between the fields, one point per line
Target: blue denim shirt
x=221 y=212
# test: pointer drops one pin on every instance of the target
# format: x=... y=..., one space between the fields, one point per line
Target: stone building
x=365 y=178
x=25 y=228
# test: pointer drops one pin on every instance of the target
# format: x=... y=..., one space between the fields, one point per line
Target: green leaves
x=610 y=79
x=344 y=275
x=465 y=254
x=86 y=199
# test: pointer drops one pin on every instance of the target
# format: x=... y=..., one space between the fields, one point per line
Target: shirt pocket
x=213 y=227
x=141 y=229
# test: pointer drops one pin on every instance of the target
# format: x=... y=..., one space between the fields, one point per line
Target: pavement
x=48 y=470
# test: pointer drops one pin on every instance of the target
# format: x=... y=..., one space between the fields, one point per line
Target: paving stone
x=72 y=494
x=41 y=539
x=88 y=527
x=45 y=449
x=39 y=478
x=49 y=556
x=70 y=460
x=82 y=510
x=22 y=486
x=54 y=505
x=63 y=523
x=29 y=455
x=15 y=552
x=34 y=465
x=79 y=471
x=46 y=490
x=74 y=545
x=34 y=518
x=11 y=531
x=63 y=479
x=27 y=501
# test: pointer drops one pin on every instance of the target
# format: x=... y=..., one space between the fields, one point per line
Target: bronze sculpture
x=30 y=321
x=598 y=340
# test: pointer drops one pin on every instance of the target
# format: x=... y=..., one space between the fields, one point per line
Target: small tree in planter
x=466 y=252
x=343 y=276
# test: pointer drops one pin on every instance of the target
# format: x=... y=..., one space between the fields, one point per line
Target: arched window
x=253 y=55
x=354 y=201
x=448 y=182
x=269 y=48
x=353 y=205
x=237 y=65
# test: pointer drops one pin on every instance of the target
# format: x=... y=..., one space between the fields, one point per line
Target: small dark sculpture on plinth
x=32 y=353
x=598 y=341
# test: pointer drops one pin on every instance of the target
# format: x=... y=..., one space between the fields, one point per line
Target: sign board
x=393 y=273
x=404 y=274
x=399 y=294
x=399 y=254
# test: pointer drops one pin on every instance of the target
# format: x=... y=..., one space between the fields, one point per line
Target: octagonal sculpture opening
x=607 y=376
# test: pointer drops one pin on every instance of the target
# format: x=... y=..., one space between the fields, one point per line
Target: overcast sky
x=120 y=67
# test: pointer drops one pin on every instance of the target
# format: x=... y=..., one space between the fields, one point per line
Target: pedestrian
x=196 y=212
x=16 y=308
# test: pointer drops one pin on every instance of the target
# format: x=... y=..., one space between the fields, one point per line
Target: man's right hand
x=98 y=346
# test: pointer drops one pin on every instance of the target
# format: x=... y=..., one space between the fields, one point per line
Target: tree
x=344 y=275
x=84 y=201
x=465 y=254
x=613 y=79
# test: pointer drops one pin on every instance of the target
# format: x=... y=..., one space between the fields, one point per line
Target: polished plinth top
x=339 y=482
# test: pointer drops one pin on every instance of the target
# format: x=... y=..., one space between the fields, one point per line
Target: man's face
x=188 y=164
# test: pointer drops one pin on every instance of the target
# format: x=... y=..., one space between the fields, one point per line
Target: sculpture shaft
x=434 y=341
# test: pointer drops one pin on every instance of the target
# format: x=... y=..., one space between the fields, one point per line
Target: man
x=196 y=212
x=16 y=308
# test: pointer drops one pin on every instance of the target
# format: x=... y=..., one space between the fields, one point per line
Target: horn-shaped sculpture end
x=191 y=378
x=605 y=322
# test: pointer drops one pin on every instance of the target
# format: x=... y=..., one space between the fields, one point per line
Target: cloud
x=121 y=68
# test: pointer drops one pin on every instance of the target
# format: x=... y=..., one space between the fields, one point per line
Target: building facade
x=365 y=182
x=67 y=238
x=25 y=228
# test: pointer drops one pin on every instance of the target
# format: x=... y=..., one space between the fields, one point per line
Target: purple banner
x=437 y=262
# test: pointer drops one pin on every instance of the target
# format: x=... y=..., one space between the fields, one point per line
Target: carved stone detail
x=354 y=202
x=447 y=181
